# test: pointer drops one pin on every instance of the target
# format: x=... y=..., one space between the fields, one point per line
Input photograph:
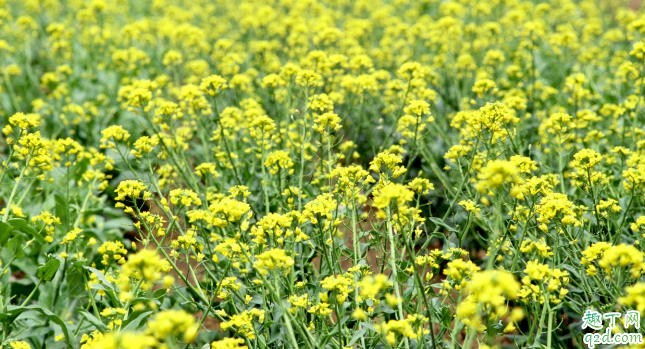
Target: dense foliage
x=319 y=173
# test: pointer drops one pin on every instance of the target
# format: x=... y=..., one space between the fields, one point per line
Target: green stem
x=455 y=329
x=397 y=291
x=544 y=311
x=550 y=327
x=33 y=292
x=14 y=190
x=264 y=178
x=302 y=150
x=357 y=254
x=87 y=197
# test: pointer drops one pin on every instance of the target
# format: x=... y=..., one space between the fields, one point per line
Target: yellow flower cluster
x=273 y=259
x=161 y=328
x=20 y=345
x=495 y=174
x=488 y=294
x=543 y=283
x=185 y=197
x=229 y=343
x=244 y=322
x=340 y=285
x=277 y=154
x=623 y=256
x=176 y=323
x=145 y=268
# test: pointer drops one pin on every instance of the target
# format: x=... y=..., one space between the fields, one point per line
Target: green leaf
x=440 y=223
x=101 y=277
x=570 y=269
x=46 y=295
x=275 y=333
x=93 y=320
x=134 y=322
x=5 y=233
x=15 y=246
x=105 y=285
x=368 y=326
x=47 y=271
x=358 y=334
x=61 y=209
x=21 y=225
x=160 y=293
x=12 y=312
x=145 y=300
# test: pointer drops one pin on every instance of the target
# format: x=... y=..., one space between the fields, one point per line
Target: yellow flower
x=484 y=86
x=273 y=259
x=392 y=328
x=384 y=164
x=622 y=256
x=186 y=197
x=488 y=293
x=420 y=186
x=279 y=160
x=539 y=275
x=556 y=205
x=20 y=345
x=145 y=266
x=460 y=271
x=173 y=58
x=392 y=192
x=118 y=340
x=308 y=78
x=144 y=145
x=634 y=297
x=370 y=286
x=325 y=120
x=341 y=284
x=178 y=323
x=319 y=208
x=540 y=247
x=132 y=189
x=113 y=133
x=470 y=206
x=213 y=84
x=25 y=121
x=495 y=174
x=229 y=343
x=243 y=322
x=359 y=314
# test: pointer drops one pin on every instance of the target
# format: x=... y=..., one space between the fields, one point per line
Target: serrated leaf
x=47 y=271
x=21 y=225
